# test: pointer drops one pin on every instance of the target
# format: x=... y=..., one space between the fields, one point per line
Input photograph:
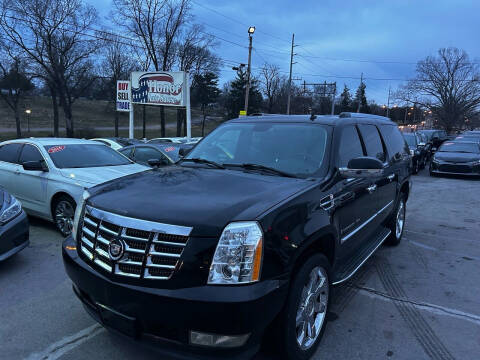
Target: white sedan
x=49 y=175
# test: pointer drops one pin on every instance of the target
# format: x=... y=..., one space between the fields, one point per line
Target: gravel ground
x=420 y=300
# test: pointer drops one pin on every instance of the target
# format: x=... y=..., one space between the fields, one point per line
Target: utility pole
x=251 y=30
x=290 y=76
x=388 y=101
x=333 y=97
x=360 y=100
x=405 y=116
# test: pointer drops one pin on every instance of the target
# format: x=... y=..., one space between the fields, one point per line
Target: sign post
x=187 y=106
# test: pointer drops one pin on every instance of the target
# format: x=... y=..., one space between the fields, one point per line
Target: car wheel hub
x=64 y=214
x=400 y=219
x=312 y=309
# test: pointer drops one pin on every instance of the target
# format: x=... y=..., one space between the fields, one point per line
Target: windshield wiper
x=249 y=166
x=202 y=161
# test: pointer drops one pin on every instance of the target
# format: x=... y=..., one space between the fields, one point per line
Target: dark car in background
x=13 y=226
x=458 y=158
x=117 y=143
x=435 y=137
x=156 y=154
x=469 y=136
x=417 y=151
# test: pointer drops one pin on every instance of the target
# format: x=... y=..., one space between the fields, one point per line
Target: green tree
x=236 y=96
x=345 y=99
x=360 y=97
x=205 y=91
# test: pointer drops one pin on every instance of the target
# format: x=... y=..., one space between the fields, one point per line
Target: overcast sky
x=338 y=39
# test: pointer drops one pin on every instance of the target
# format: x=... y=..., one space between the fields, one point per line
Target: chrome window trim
x=360 y=227
x=145 y=225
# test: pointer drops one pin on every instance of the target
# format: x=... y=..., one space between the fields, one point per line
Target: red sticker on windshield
x=55 y=149
x=170 y=148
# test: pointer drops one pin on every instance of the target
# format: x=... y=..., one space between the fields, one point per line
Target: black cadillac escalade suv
x=248 y=232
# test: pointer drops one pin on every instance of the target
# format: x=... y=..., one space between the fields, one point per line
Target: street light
x=28 y=112
x=251 y=30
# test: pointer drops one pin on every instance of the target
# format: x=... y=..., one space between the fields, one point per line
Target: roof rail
x=361 y=115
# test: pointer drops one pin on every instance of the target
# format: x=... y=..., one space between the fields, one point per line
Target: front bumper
x=14 y=236
x=167 y=316
x=465 y=169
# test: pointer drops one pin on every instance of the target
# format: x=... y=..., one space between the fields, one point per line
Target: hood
x=202 y=198
x=99 y=175
x=456 y=157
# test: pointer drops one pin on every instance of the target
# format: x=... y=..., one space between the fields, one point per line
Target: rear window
x=393 y=139
x=84 y=156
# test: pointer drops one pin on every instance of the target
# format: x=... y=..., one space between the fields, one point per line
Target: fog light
x=214 y=340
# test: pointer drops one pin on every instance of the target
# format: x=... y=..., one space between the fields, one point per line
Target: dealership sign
x=123 y=95
x=159 y=88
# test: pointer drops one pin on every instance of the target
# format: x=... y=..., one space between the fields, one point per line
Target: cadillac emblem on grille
x=116 y=249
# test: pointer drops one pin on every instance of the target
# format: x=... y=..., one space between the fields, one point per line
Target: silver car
x=49 y=175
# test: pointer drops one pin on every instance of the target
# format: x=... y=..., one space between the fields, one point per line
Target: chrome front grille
x=151 y=250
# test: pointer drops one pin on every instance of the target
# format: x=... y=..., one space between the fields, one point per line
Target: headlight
x=11 y=207
x=476 y=162
x=78 y=212
x=238 y=257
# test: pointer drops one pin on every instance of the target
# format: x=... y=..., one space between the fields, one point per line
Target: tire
x=397 y=223
x=63 y=213
x=303 y=305
x=424 y=162
x=416 y=168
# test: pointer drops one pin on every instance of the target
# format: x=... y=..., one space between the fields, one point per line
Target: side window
x=394 y=140
x=30 y=153
x=9 y=152
x=143 y=154
x=350 y=146
x=372 y=141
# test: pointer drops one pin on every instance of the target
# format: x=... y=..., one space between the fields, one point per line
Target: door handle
x=372 y=188
x=391 y=177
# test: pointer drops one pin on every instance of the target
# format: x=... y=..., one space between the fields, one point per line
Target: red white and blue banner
x=159 y=88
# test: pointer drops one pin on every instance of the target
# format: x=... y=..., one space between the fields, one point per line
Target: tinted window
x=411 y=139
x=372 y=141
x=9 y=152
x=126 y=152
x=84 y=156
x=350 y=146
x=393 y=139
x=30 y=153
x=143 y=154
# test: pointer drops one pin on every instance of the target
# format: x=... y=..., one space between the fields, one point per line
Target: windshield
x=84 y=156
x=459 y=147
x=297 y=149
x=411 y=140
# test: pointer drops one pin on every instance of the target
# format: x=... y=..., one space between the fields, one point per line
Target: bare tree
x=271 y=81
x=116 y=65
x=54 y=34
x=15 y=83
x=447 y=84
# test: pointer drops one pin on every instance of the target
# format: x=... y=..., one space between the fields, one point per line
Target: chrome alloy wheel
x=312 y=309
x=400 y=221
x=64 y=214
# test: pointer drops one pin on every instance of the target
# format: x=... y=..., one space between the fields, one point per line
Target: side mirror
x=157 y=162
x=183 y=151
x=364 y=166
x=35 y=166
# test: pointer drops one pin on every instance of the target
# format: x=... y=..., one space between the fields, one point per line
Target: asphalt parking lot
x=420 y=300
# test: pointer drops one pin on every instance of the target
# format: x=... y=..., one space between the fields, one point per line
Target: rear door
x=354 y=205
x=31 y=186
x=8 y=166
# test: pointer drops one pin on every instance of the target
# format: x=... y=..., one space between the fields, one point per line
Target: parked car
x=457 y=157
x=417 y=151
x=116 y=143
x=176 y=140
x=49 y=175
x=470 y=137
x=436 y=137
x=13 y=226
x=209 y=252
x=426 y=144
x=155 y=155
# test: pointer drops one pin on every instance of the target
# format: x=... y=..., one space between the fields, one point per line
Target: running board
x=350 y=268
